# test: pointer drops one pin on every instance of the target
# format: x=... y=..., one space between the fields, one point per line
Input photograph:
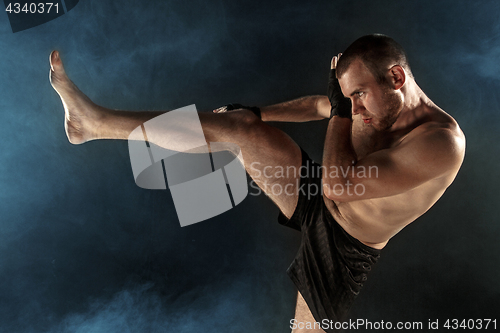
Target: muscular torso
x=374 y=221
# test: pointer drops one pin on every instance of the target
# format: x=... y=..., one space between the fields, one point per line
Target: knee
x=246 y=122
x=249 y=118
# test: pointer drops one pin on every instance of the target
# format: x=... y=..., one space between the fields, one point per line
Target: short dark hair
x=378 y=53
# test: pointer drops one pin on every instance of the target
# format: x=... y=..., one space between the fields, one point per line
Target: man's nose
x=356 y=107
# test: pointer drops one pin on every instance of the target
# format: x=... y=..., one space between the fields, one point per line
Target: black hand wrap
x=341 y=106
x=236 y=106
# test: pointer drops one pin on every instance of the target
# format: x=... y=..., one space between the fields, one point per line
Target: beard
x=393 y=106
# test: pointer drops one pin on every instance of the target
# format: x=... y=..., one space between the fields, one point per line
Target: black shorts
x=331 y=265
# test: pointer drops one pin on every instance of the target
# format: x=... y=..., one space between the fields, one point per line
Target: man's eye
x=360 y=93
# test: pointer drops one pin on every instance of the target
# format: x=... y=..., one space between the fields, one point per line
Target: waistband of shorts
x=356 y=242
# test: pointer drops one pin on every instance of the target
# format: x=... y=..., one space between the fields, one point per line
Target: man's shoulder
x=438 y=123
x=439 y=139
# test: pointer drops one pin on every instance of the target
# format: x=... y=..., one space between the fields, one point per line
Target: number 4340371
x=33 y=8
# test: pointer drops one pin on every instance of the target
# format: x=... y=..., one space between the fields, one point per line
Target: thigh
x=271 y=157
x=274 y=166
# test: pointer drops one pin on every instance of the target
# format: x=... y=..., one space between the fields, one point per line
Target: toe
x=55 y=61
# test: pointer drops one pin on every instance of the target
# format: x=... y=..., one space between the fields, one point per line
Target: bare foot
x=82 y=116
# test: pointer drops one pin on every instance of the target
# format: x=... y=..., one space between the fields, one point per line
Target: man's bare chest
x=366 y=140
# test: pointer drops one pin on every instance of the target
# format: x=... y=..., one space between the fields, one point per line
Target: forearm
x=299 y=110
x=338 y=153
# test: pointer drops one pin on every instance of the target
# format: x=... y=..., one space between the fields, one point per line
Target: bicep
x=397 y=170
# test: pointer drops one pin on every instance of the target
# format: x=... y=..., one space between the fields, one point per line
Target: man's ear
x=397 y=76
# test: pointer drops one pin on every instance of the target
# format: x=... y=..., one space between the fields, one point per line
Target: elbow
x=332 y=196
x=323 y=107
x=332 y=191
x=343 y=191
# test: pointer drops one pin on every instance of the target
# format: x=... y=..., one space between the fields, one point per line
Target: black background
x=83 y=249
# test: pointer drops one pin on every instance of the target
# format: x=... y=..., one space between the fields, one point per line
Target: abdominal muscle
x=374 y=221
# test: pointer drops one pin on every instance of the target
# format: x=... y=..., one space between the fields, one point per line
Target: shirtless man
x=415 y=147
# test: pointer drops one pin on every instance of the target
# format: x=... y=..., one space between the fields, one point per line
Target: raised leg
x=271 y=157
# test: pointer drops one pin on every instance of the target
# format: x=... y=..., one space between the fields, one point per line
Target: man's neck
x=415 y=104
